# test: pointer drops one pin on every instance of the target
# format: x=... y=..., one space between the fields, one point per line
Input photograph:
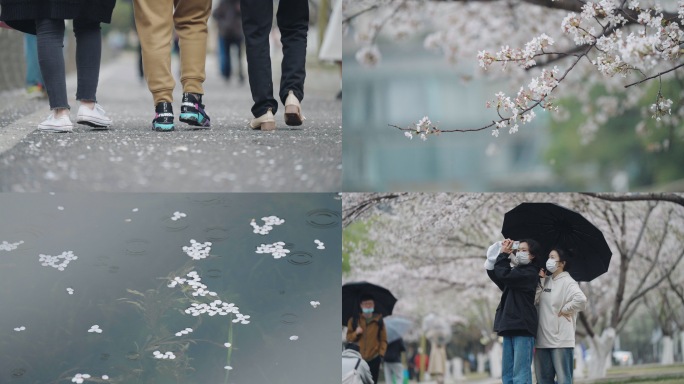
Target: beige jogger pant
x=155 y=20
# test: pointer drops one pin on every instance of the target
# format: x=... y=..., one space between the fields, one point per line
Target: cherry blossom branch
x=567 y=5
x=359 y=13
x=655 y=76
x=425 y=127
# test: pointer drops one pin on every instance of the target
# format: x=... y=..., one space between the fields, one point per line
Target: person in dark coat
x=45 y=19
x=516 y=316
x=394 y=369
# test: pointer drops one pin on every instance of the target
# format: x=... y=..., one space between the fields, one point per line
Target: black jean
x=50 y=34
x=374 y=366
x=293 y=22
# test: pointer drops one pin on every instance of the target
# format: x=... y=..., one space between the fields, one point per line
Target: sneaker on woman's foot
x=192 y=111
x=163 y=118
x=56 y=124
x=95 y=117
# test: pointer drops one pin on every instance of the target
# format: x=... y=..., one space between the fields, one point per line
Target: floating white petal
x=269 y=222
x=7 y=246
x=198 y=251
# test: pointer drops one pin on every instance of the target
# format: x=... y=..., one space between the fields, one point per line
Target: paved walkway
x=131 y=157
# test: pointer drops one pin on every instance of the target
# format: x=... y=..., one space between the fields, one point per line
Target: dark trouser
x=374 y=366
x=293 y=22
x=50 y=35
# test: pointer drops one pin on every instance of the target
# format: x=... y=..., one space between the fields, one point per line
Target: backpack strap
x=380 y=325
x=357 y=364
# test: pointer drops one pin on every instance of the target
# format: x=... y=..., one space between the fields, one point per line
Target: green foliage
x=354 y=238
x=617 y=147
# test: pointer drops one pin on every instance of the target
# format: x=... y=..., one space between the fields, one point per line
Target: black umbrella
x=352 y=292
x=553 y=225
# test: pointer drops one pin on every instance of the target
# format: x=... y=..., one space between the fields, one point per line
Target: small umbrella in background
x=396 y=327
x=352 y=292
x=553 y=225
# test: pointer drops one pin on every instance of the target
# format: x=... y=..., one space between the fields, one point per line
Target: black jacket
x=516 y=313
x=21 y=14
x=394 y=350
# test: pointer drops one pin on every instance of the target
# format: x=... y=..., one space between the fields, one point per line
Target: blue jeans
x=554 y=362
x=33 y=76
x=517 y=359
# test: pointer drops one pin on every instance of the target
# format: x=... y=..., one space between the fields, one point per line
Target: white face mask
x=551 y=265
x=523 y=257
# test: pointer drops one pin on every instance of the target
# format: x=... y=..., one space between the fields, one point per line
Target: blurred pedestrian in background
x=293 y=22
x=34 y=80
x=420 y=362
x=45 y=19
x=394 y=369
x=438 y=359
x=155 y=21
x=229 y=20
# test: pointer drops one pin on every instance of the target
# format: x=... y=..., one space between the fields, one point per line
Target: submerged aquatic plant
x=187 y=299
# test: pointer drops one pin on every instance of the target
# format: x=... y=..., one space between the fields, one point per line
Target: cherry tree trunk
x=495 y=359
x=579 y=372
x=667 y=354
x=602 y=348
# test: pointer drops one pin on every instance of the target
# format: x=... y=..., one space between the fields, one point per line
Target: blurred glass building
x=410 y=83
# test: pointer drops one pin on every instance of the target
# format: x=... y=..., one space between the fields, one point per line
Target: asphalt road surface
x=131 y=157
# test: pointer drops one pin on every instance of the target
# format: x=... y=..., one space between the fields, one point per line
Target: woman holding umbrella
x=516 y=315
x=559 y=298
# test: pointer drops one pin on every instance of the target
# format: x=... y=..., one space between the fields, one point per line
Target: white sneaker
x=95 y=117
x=56 y=124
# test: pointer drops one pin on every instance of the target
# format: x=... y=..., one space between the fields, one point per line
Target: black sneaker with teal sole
x=192 y=111
x=163 y=118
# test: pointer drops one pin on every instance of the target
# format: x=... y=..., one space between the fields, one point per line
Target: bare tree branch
x=586 y=324
x=676 y=198
x=352 y=213
x=655 y=283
